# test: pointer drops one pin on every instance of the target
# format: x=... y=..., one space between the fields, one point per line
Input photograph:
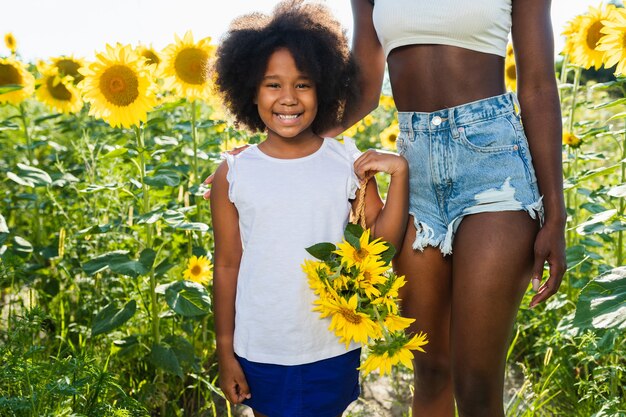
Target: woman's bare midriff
x=427 y=78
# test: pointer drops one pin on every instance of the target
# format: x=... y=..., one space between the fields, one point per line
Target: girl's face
x=286 y=98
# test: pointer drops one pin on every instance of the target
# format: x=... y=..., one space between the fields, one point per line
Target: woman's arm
x=370 y=60
x=388 y=220
x=541 y=115
x=226 y=259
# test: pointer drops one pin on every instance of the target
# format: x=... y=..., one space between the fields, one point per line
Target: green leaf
x=9 y=88
x=601 y=217
x=609 y=104
x=618 y=191
x=30 y=176
x=352 y=233
x=101 y=262
x=322 y=251
x=163 y=357
x=189 y=299
x=114 y=153
x=128 y=267
x=21 y=245
x=162 y=178
x=147 y=257
x=110 y=317
x=201 y=227
x=3 y=225
x=389 y=253
x=602 y=302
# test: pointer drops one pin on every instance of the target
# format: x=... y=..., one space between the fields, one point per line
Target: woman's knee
x=432 y=375
x=477 y=394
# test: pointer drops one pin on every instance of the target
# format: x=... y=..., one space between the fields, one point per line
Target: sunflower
x=387 y=102
x=199 y=270
x=571 y=140
x=390 y=295
x=59 y=93
x=354 y=256
x=395 y=323
x=185 y=67
x=614 y=42
x=370 y=275
x=10 y=42
x=348 y=323
x=119 y=87
x=386 y=354
x=585 y=52
x=510 y=71
x=571 y=31
x=389 y=136
x=152 y=57
x=14 y=73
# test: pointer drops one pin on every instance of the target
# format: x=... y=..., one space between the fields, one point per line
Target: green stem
x=571 y=195
x=38 y=226
x=620 y=234
x=194 y=137
x=154 y=310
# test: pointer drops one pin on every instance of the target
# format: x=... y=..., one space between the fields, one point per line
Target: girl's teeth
x=287 y=116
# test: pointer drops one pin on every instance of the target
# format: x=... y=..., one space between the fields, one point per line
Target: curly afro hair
x=318 y=44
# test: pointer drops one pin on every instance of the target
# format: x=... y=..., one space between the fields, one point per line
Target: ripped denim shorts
x=468 y=159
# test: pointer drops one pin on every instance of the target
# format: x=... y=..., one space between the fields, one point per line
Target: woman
x=484 y=218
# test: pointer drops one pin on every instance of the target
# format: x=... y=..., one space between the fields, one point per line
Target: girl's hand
x=373 y=161
x=233 y=382
x=209 y=179
x=549 y=247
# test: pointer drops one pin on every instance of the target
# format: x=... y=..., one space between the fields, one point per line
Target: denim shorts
x=468 y=159
x=324 y=388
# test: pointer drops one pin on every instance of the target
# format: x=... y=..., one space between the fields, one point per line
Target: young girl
x=289 y=75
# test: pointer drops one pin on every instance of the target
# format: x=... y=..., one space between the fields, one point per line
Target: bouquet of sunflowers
x=357 y=289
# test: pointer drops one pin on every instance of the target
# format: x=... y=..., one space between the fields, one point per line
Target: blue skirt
x=319 y=389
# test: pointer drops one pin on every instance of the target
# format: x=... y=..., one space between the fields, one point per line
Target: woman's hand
x=373 y=161
x=232 y=381
x=209 y=179
x=550 y=248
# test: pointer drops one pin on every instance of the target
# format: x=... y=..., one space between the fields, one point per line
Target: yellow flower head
x=199 y=270
x=387 y=102
x=348 y=323
x=371 y=273
x=395 y=323
x=14 y=73
x=389 y=298
x=353 y=256
x=384 y=357
x=571 y=33
x=59 y=93
x=10 y=42
x=613 y=43
x=120 y=89
x=585 y=51
x=510 y=71
x=571 y=140
x=69 y=66
x=151 y=56
x=185 y=67
x=389 y=136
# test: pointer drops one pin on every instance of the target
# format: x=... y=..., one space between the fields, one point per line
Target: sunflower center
x=624 y=41
x=9 y=75
x=191 y=65
x=69 y=67
x=151 y=57
x=511 y=72
x=361 y=254
x=119 y=85
x=196 y=270
x=350 y=316
x=58 y=91
x=393 y=137
x=594 y=34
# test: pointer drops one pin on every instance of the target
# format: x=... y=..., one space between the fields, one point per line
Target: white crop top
x=479 y=25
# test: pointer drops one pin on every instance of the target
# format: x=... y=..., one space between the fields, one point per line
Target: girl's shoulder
x=346 y=146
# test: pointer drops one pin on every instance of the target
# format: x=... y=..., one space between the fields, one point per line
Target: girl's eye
x=303 y=85
x=272 y=85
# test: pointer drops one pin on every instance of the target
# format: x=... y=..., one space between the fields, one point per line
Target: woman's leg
x=491 y=264
x=426 y=297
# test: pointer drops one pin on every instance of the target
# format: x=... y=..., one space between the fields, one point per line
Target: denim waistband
x=449 y=118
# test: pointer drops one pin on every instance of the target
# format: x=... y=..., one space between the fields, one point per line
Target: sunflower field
x=106 y=240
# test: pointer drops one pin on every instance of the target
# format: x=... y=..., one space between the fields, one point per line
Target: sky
x=45 y=28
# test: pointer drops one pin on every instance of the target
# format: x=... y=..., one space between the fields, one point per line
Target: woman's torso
x=448 y=52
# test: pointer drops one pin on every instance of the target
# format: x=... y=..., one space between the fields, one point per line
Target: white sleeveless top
x=479 y=25
x=285 y=206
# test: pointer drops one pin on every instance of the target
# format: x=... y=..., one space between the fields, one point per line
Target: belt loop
x=453 y=129
x=516 y=107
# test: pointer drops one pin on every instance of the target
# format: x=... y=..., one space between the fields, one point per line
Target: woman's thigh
x=491 y=264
